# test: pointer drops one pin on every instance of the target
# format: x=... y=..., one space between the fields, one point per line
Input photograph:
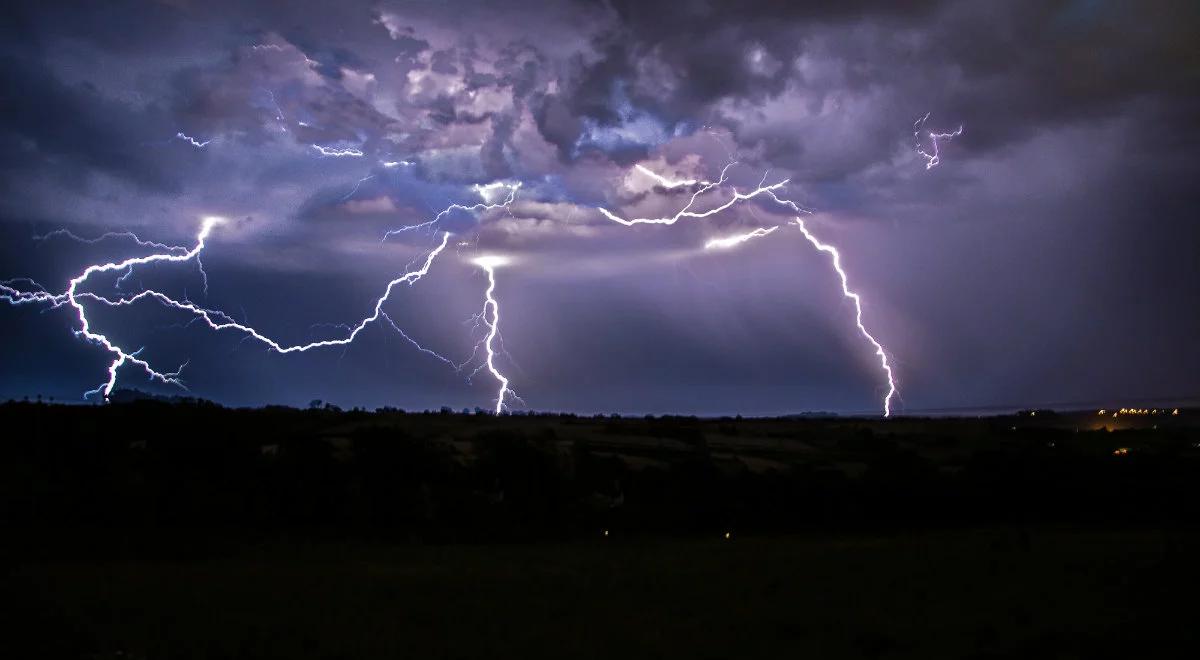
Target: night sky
x=1049 y=258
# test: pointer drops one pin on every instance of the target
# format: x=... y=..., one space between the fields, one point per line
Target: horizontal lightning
x=484 y=191
x=337 y=153
x=686 y=211
x=215 y=320
x=193 y=141
x=732 y=241
x=934 y=158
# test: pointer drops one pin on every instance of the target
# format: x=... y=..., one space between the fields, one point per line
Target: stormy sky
x=1050 y=257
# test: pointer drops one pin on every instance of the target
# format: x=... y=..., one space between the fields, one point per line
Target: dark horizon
x=1163 y=406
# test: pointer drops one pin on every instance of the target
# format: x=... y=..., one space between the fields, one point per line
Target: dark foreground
x=322 y=534
x=988 y=593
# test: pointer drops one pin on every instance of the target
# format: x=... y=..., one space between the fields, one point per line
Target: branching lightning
x=931 y=159
x=733 y=241
x=836 y=258
x=686 y=211
x=497 y=195
x=484 y=191
x=338 y=153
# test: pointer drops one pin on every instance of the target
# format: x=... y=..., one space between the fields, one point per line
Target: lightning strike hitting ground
x=931 y=159
x=732 y=241
x=221 y=321
x=123 y=357
x=836 y=258
x=489 y=264
x=489 y=316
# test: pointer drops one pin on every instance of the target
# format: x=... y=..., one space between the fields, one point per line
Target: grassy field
x=1000 y=592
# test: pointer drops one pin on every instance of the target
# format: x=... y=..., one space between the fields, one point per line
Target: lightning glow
x=357 y=185
x=931 y=159
x=737 y=239
x=495 y=195
x=668 y=183
x=686 y=211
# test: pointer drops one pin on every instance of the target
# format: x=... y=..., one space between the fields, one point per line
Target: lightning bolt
x=193 y=141
x=338 y=153
x=123 y=357
x=490 y=315
x=67 y=233
x=279 y=119
x=489 y=264
x=356 y=187
x=836 y=259
x=732 y=241
x=491 y=344
x=686 y=211
x=670 y=183
x=931 y=159
x=484 y=191
x=216 y=320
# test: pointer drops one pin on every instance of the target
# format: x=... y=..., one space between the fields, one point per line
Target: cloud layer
x=1048 y=258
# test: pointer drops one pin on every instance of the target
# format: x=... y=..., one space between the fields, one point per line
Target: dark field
x=324 y=534
x=989 y=593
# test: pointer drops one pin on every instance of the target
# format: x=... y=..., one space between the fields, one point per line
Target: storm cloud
x=1050 y=257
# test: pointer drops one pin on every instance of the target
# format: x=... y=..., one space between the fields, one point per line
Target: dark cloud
x=66 y=132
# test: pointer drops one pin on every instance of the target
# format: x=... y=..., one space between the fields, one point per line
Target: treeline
x=438 y=476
